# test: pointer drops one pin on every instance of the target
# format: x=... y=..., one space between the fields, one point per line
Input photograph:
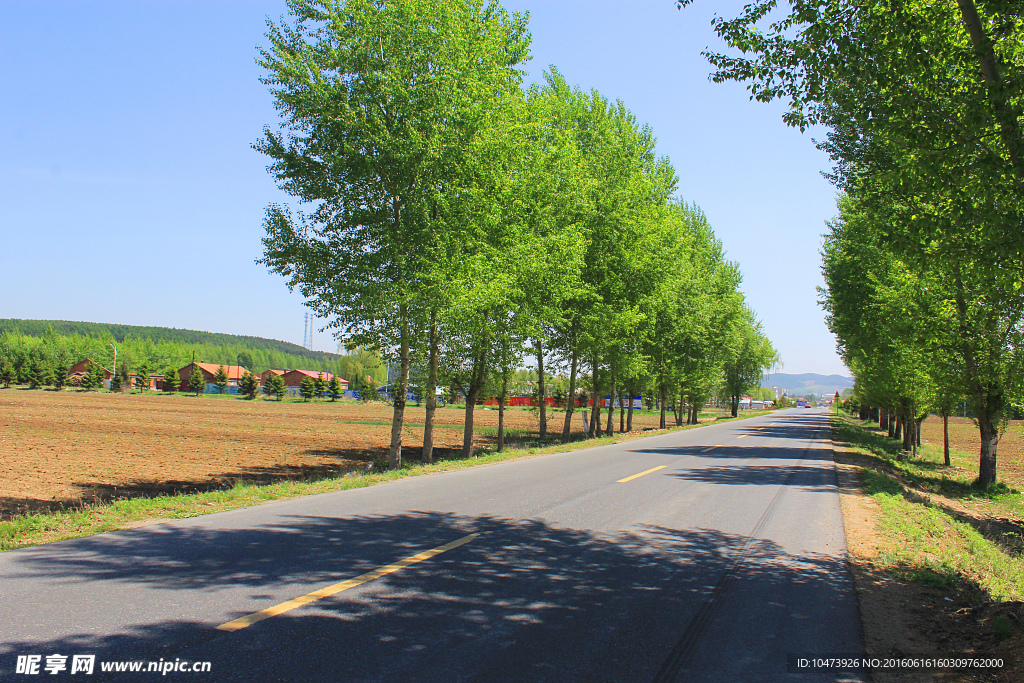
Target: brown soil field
x=63 y=448
x=964 y=437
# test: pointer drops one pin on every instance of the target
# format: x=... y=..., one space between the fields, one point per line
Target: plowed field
x=964 y=436
x=66 y=447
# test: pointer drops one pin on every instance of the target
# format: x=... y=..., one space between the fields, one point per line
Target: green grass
x=924 y=542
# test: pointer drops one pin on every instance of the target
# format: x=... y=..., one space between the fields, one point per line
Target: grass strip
x=94 y=518
x=923 y=542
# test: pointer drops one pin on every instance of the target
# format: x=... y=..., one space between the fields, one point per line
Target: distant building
x=293 y=379
x=209 y=372
x=81 y=369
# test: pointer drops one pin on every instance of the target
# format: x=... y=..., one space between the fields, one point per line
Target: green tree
x=748 y=355
x=142 y=377
x=196 y=382
x=924 y=104
x=220 y=379
x=307 y=388
x=320 y=385
x=40 y=374
x=244 y=360
x=95 y=377
x=171 y=379
x=60 y=375
x=276 y=386
x=378 y=119
x=334 y=389
x=249 y=385
x=7 y=373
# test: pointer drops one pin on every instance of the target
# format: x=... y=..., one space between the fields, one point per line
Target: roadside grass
x=926 y=514
x=93 y=518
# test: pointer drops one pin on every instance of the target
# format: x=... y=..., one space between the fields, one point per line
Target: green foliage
x=220 y=379
x=320 y=385
x=334 y=389
x=307 y=388
x=171 y=379
x=249 y=385
x=21 y=340
x=40 y=374
x=142 y=377
x=60 y=375
x=923 y=103
x=196 y=382
x=7 y=373
x=276 y=387
x=95 y=377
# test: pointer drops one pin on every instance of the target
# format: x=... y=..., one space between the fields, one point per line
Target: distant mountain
x=807 y=383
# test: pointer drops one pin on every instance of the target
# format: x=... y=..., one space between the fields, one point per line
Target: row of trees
x=924 y=104
x=458 y=223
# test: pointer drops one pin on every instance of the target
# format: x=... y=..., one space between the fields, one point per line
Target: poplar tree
x=378 y=102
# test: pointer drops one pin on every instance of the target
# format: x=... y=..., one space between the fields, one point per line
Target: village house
x=209 y=372
x=293 y=379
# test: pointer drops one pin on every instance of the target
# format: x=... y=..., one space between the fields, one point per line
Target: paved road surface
x=724 y=556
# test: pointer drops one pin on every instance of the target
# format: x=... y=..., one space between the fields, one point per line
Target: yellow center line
x=249 y=620
x=742 y=436
x=710 y=448
x=635 y=476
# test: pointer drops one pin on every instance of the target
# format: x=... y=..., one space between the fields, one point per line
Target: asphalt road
x=726 y=555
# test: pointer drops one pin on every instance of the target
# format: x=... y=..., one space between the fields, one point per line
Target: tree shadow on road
x=524 y=601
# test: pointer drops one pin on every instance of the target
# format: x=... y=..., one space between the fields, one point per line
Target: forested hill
x=807 y=383
x=38 y=328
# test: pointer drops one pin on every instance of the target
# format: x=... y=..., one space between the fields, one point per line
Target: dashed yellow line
x=711 y=448
x=742 y=436
x=249 y=620
x=635 y=476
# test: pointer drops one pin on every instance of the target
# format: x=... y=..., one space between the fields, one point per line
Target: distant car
x=809 y=405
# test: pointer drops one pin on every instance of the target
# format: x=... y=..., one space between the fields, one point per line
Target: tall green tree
x=220 y=379
x=196 y=382
x=924 y=102
x=142 y=377
x=378 y=103
x=249 y=385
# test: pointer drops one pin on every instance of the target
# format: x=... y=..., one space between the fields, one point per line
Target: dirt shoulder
x=913 y=600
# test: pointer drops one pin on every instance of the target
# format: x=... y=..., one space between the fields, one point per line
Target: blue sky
x=131 y=193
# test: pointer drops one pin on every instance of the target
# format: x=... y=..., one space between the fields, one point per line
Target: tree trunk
x=1009 y=126
x=476 y=385
x=899 y=427
x=622 y=411
x=988 y=424
x=595 y=414
x=945 y=438
x=663 y=424
x=570 y=400
x=893 y=422
x=883 y=419
x=629 y=414
x=542 y=405
x=611 y=401
x=735 y=405
x=399 y=392
x=501 y=411
x=428 y=424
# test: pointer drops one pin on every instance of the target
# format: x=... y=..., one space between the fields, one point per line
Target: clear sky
x=130 y=192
